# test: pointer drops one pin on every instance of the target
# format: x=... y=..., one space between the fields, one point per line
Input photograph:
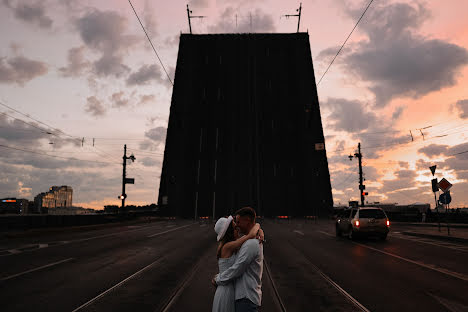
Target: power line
x=458 y=153
x=27 y=116
x=30 y=124
x=81 y=140
x=55 y=156
x=362 y=15
x=154 y=49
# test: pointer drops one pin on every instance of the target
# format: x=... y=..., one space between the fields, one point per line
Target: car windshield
x=371 y=213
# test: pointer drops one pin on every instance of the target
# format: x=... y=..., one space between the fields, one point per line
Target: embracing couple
x=240 y=262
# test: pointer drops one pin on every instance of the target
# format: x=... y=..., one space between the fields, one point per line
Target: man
x=247 y=270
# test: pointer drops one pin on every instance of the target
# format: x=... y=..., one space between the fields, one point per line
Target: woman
x=229 y=244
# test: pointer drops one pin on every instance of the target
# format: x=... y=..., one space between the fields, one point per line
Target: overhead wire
x=154 y=49
x=54 y=156
x=344 y=43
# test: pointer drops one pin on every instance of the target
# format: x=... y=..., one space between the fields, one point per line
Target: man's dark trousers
x=245 y=305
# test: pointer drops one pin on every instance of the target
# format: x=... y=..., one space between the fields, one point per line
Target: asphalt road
x=167 y=266
x=400 y=274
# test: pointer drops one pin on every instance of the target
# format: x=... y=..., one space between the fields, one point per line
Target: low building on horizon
x=56 y=197
x=14 y=206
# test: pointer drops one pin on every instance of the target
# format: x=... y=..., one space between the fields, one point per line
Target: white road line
x=341 y=290
x=298 y=232
x=183 y=285
x=36 y=269
x=427 y=266
x=430 y=242
x=326 y=233
x=171 y=230
x=282 y=307
x=52 y=244
x=118 y=284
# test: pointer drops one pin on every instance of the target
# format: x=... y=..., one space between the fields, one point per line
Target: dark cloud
x=13 y=132
x=118 y=100
x=150 y=162
x=95 y=107
x=397 y=113
x=349 y=115
x=145 y=74
x=19 y=133
x=261 y=22
x=462 y=107
x=199 y=3
x=77 y=64
x=110 y=65
x=20 y=70
x=396 y=61
x=156 y=138
x=403 y=179
x=147 y=98
x=30 y=12
x=105 y=32
x=433 y=150
x=157 y=134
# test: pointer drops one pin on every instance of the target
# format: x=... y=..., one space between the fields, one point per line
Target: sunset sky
x=86 y=69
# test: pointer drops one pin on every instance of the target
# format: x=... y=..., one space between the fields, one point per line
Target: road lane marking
x=178 y=291
x=117 y=285
x=341 y=290
x=36 y=269
x=326 y=233
x=450 y=305
x=427 y=266
x=431 y=242
x=330 y=281
x=298 y=232
x=171 y=230
x=273 y=285
x=28 y=248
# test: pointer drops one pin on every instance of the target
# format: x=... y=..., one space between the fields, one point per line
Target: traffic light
x=435 y=185
x=365 y=193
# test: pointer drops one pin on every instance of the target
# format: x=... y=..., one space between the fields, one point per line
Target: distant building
x=14 y=206
x=56 y=197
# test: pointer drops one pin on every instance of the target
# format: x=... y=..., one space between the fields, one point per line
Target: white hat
x=221 y=226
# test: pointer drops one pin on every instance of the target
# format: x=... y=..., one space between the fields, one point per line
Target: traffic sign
x=445 y=198
x=445 y=185
x=129 y=180
x=433 y=168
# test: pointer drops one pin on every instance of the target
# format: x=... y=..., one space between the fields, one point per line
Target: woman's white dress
x=224 y=297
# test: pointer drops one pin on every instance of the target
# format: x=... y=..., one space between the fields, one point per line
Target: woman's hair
x=228 y=237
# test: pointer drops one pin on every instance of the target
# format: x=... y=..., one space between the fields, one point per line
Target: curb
x=438 y=237
x=452 y=225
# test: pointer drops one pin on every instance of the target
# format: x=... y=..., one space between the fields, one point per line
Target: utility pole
x=124 y=176
x=362 y=187
x=298 y=15
x=190 y=17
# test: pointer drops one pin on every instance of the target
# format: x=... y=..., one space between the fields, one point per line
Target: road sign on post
x=445 y=198
x=445 y=185
x=129 y=180
x=433 y=168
